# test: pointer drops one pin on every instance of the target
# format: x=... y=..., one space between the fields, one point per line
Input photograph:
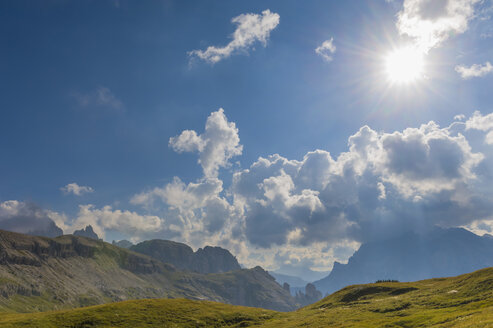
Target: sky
x=287 y=132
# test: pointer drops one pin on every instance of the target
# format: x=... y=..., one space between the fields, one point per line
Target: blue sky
x=92 y=92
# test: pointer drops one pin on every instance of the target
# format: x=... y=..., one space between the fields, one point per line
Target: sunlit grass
x=463 y=301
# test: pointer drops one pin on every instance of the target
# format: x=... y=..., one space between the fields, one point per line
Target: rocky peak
x=214 y=260
x=181 y=256
x=88 y=232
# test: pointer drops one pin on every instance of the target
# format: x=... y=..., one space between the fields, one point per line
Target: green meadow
x=463 y=301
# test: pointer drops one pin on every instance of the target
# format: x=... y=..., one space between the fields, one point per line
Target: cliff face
x=213 y=260
x=206 y=260
x=177 y=254
x=39 y=274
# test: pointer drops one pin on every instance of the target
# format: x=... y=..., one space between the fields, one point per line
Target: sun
x=404 y=65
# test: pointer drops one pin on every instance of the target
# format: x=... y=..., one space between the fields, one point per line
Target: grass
x=463 y=301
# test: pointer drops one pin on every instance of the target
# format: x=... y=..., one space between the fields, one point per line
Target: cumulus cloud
x=385 y=183
x=216 y=146
x=75 y=189
x=27 y=218
x=101 y=97
x=430 y=22
x=250 y=29
x=326 y=50
x=476 y=70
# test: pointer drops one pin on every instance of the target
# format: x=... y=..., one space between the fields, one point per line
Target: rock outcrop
x=88 y=232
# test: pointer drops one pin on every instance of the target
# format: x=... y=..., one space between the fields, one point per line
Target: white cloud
x=430 y=22
x=482 y=123
x=326 y=50
x=216 y=146
x=74 y=188
x=127 y=222
x=250 y=29
x=476 y=70
x=101 y=97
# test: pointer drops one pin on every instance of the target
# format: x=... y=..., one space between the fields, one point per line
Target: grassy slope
x=463 y=301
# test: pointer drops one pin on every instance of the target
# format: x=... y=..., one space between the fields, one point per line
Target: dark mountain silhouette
x=181 y=256
x=88 y=232
x=411 y=257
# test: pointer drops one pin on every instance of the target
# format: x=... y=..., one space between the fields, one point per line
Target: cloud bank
x=286 y=213
x=250 y=29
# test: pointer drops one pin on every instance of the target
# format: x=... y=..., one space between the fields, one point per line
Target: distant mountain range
x=411 y=257
x=40 y=273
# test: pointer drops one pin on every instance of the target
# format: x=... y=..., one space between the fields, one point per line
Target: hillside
x=40 y=274
x=204 y=260
x=463 y=301
x=411 y=257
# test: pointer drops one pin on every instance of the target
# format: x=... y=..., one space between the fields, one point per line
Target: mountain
x=39 y=274
x=206 y=260
x=88 y=232
x=41 y=226
x=412 y=256
x=310 y=296
x=463 y=301
x=291 y=280
x=122 y=243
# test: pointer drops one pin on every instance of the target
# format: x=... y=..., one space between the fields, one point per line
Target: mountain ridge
x=40 y=273
x=205 y=260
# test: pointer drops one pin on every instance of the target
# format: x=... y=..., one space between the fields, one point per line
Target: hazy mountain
x=122 y=243
x=28 y=218
x=39 y=273
x=291 y=280
x=410 y=257
x=88 y=232
x=181 y=256
x=309 y=296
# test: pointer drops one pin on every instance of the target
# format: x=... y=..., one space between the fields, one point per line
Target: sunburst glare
x=405 y=65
